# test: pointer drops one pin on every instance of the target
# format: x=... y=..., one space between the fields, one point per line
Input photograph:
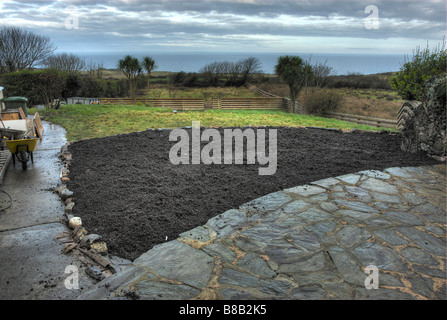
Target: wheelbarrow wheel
x=23 y=159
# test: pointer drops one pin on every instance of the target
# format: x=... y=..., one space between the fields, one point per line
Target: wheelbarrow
x=22 y=149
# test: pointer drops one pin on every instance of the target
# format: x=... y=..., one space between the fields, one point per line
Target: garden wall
x=423 y=124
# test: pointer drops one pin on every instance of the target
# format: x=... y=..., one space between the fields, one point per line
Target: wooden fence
x=262 y=92
x=377 y=122
x=299 y=109
x=180 y=104
x=286 y=104
x=248 y=103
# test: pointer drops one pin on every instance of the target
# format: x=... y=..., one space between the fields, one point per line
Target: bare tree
x=95 y=69
x=321 y=72
x=20 y=49
x=231 y=72
x=212 y=72
x=235 y=73
x=248 y=69
x=308 y=74
x=66 y=62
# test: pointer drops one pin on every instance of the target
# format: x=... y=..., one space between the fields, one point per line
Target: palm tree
x=148 y=64
x=291 y=70
x=131 y=68
x=308 y=75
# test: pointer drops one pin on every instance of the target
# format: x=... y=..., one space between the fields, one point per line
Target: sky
x=271 y=26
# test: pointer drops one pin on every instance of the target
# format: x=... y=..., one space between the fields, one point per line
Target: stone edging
x=89 y=248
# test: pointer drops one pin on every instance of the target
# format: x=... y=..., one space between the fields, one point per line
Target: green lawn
x=94 y=121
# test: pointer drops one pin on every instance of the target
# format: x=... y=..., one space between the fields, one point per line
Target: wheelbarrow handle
x=28 y=131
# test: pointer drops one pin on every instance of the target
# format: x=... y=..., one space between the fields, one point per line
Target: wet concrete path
x=31 y=263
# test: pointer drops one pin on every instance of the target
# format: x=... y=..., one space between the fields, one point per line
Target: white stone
x=74 y=222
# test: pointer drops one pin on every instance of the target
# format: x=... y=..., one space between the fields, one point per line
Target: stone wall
x=423 y=124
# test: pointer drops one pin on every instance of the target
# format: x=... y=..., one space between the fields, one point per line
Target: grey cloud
x=403 y=19
x=405 y=10
x=399 y=9
x=227 y=25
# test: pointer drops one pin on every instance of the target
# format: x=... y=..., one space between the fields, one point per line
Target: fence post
x=285 y=104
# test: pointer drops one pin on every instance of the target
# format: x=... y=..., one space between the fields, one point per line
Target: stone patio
x=308 y=242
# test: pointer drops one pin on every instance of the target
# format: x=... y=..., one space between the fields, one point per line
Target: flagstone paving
x=308 y=242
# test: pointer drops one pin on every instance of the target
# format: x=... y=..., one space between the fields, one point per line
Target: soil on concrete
x=126 y=189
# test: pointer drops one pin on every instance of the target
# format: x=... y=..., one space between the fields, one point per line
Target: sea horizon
x=342 y=63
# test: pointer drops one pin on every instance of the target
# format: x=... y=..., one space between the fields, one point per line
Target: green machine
x=16 y=103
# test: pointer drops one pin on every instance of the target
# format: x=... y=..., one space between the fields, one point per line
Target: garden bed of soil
x=127 y=190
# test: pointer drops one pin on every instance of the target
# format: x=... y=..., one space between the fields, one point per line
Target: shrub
x=435 y=93
x=192 y=80
x=358 y=81
x=322 y=101
x=426 y=64
x=39 y=86
x=178 y=78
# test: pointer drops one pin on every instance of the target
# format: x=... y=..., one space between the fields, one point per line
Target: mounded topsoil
x=127 y=190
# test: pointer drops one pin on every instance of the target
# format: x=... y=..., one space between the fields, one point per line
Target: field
x=377 y=103
x=158 y=91
x=95 y=121
x=371 y=100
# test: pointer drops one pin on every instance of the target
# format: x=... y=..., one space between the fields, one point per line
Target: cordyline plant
x=131 y=68
x=148 y=64
x=292 y=71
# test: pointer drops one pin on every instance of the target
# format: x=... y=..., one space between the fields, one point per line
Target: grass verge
x=95 y=121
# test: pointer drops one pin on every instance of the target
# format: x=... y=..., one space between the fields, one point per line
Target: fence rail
x=248 y=103
x=377 y=122
x=262 y=92
x=276 y=103
x=286 y=104
x=173 y=103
